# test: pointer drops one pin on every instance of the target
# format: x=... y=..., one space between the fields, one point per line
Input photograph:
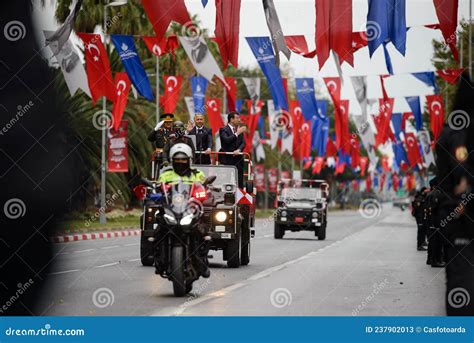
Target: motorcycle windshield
x=179 y=195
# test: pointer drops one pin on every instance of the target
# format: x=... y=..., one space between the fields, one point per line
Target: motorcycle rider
x=181 y=155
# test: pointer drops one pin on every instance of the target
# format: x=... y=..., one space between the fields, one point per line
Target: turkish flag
x=368 y=183
x=227 y=31
x=122 y=87
x=99 y=76
x=251 y=121
x=447 y=12
x=363 y=165
x=355 y=151
x=297 y=121
x=395 y=182
x=231 y=93
x=298 y=45
x=382 y=122
x=383 y=177
x=334 y=87
x=213 y=106
x=406 y=116
x=359 y=40
x=334 y=30
x=410 y=182
x=340 y=166
x=162 y=12
x=341 y=114
x=317 y=165
x=451 y=75
x=436 y=111
x=305 y=147
x=413 y=151
x=172 y=88
x=384 y=163
x=331 y=150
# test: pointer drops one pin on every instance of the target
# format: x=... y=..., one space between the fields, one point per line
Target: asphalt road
x=366 y=266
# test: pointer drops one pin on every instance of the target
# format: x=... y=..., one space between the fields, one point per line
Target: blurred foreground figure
x=455 y=161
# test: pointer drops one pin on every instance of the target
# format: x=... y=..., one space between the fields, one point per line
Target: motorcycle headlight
x=170 y=219
x=186 y=220
x=221 y=216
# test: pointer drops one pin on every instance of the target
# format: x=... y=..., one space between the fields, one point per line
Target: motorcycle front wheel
x=177 y=275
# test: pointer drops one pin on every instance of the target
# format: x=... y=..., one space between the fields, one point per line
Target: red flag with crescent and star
x=171 y=96
x=213 y=106
x=333 y=85
x=450 y=75
x=341 y=114
x=413 y=150
x=436 y=111
x=251 y=121
x=297 y=121
x=99 y=76
x=355 y=151
x=382 y=121
x=122 y=88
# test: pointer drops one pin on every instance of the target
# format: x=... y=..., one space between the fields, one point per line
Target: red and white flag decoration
x=227 y=30
x=171 y=96
x=122 y=87
x=99 y=76
x=298 y=45
x=160 y=47
x=436 y=110
x=333 y=85
x=363 y=165
x=317 y=165
x=161 y=13
x=355 y=151
x=413 y=151
x=341 y=124
x=242 y=197
x=447 y=12
x=382 y=121
x=213 y=106
x=450 y=75
x=118 y=149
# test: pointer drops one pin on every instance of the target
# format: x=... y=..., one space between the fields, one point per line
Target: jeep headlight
x=283 y=213
x=315 y=214
x=220 y=216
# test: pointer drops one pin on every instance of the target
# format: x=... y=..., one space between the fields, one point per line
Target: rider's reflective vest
x=170 y=176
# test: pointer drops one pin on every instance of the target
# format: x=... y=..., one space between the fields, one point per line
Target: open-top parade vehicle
x=301 y=206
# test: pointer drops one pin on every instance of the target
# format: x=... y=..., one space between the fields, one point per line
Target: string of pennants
x=297 y=126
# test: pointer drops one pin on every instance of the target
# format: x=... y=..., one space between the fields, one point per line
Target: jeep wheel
x=146 y=252
x=279 y=231
x=245 y=249
x=321 y=232
x=233 y=253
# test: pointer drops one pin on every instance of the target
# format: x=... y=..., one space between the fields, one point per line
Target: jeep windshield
x=300 y=194
x=224 y=174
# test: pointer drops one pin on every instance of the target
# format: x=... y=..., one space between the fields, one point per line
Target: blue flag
x=322 y=108
x=319 y=135
x=199 y=86
x=263 y=52
x=386 y=22
x=428 y=78
x=306 y=97
x=125 y=47
x=400 y=154
x=414 y=103
x=204 y=3
x=397 y=124
x=388 y=60
x=238 y=104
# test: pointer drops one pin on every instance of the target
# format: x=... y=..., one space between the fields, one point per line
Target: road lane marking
x=134 y=260
x=107 y=265
x=85 y=250
x=111 y=247
x=130 y=245
x=65 y=271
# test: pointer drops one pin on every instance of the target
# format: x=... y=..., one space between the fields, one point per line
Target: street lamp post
x=103 y=167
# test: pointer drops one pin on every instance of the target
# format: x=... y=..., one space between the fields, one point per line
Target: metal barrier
x=246 y=158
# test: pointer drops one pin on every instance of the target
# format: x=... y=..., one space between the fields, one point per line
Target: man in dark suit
x=232 y=140
x=203 y=139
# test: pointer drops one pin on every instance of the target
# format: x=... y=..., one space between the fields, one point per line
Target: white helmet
x=182 y=149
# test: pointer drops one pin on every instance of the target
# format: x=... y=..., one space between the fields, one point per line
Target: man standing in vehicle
x=232 y=140
x=203 y=139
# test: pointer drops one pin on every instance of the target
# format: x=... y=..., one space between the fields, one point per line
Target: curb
x=95 y=235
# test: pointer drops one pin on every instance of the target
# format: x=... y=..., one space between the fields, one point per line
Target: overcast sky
x=298 y=17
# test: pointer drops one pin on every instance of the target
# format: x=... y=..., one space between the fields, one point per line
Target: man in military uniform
x=160 y=137
x=178 y=136
x=455 y=163
x=419 y=214
x=181 y=155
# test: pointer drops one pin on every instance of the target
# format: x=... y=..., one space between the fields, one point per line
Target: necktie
x=233 y=129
